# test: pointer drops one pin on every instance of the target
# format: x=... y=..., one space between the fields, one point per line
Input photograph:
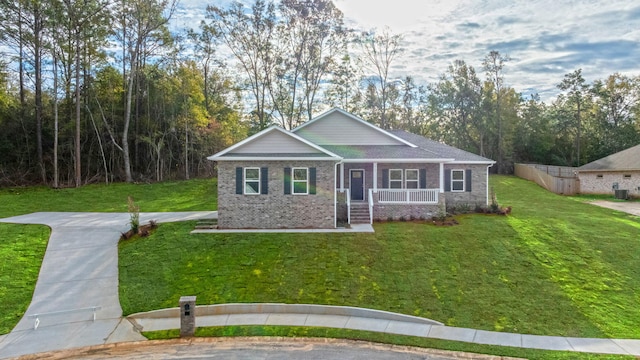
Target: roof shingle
x=628 y=159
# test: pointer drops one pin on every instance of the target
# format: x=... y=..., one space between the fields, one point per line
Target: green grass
x=22 y=247
x=554 y=267
x=189 y=195
x=293 y=331
x=20 y=260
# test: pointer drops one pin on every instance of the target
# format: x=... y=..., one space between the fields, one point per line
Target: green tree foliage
x=455 y=109
x=103 y=91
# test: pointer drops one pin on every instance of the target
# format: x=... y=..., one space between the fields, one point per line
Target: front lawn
x=555 y=266
x=22 y=247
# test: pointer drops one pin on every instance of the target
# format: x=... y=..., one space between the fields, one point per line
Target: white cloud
x=545 y=38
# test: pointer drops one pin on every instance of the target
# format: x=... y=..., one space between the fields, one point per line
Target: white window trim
x=406 y=179
x=244 y=180
x=395 y=180
x=294 y=181
x=464 y=181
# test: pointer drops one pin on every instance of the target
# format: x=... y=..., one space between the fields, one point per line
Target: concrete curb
x=340 y=317
x=274 y=308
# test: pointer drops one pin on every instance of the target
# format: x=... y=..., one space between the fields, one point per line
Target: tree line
x=105 y=90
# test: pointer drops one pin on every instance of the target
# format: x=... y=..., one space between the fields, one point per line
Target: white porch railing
x=412 y=196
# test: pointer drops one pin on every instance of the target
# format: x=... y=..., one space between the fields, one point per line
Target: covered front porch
x=389 y=191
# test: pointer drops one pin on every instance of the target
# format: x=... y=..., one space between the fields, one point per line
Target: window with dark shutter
x=312 y=181
x=287 y=180
x=411 y=179
x=264 y=180
x=468 y=180
x=252 y=183
x=300 y=181
x=423 y=178
x=239 y=184
x=385 y=178
x=457 y=180
x=447 y=180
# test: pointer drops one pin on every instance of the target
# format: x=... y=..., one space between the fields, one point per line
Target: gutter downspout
x=335 y=194
x=488 y=166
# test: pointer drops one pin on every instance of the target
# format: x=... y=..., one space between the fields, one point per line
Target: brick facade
x=478 y=193
x=384 y=212
x=276 y=210
x=590 y=183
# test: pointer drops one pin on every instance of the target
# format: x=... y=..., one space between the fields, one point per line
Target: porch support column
x=375 y=177
x=441 y=177
x=341 y=177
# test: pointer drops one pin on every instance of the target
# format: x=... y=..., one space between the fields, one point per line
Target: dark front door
x=356 y=182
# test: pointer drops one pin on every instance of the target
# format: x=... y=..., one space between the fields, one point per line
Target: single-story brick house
x=339 y=168
x=619 y=171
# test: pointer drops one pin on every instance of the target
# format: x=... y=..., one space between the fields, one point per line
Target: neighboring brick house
x=619 y=171
x=338 y=168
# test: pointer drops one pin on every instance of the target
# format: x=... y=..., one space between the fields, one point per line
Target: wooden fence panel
x=558 y=179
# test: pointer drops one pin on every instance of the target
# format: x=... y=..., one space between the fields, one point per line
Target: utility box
x=187 y=316
x=621 y=194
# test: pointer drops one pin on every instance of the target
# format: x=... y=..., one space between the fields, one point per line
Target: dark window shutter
x=385 y=178
x=312 y=181
x=239 y=181
x=467 y=179
x=287 y=180
x=423 y=178
x=264 y=180
x=447 y=180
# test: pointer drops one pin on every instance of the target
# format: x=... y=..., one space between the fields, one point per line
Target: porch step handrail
x=413 y=196
x=348 y=205
x=370 y=206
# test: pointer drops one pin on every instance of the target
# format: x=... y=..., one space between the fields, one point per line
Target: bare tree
x=249 y=36
x=378 y=52
x=142 y=29
x=310 y=37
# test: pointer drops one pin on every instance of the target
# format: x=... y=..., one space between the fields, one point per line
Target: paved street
x=264 y=349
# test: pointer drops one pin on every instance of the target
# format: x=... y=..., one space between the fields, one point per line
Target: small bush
x=134 y=214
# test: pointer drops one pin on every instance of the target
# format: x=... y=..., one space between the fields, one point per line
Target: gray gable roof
x=395 y=146
x=425 y=149
x=373 y=152
x=441 y=150
x=628 y=159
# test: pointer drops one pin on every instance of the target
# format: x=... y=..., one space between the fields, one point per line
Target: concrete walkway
x=78 y=280
x=76 y=303
x=355 y=228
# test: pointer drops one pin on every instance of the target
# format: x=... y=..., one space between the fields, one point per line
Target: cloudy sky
x=544 y=38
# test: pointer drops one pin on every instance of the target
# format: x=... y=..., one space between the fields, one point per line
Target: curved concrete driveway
x=630 y=207
x=79 y=273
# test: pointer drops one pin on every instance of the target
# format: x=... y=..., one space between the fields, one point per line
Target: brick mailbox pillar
x=187 y=316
